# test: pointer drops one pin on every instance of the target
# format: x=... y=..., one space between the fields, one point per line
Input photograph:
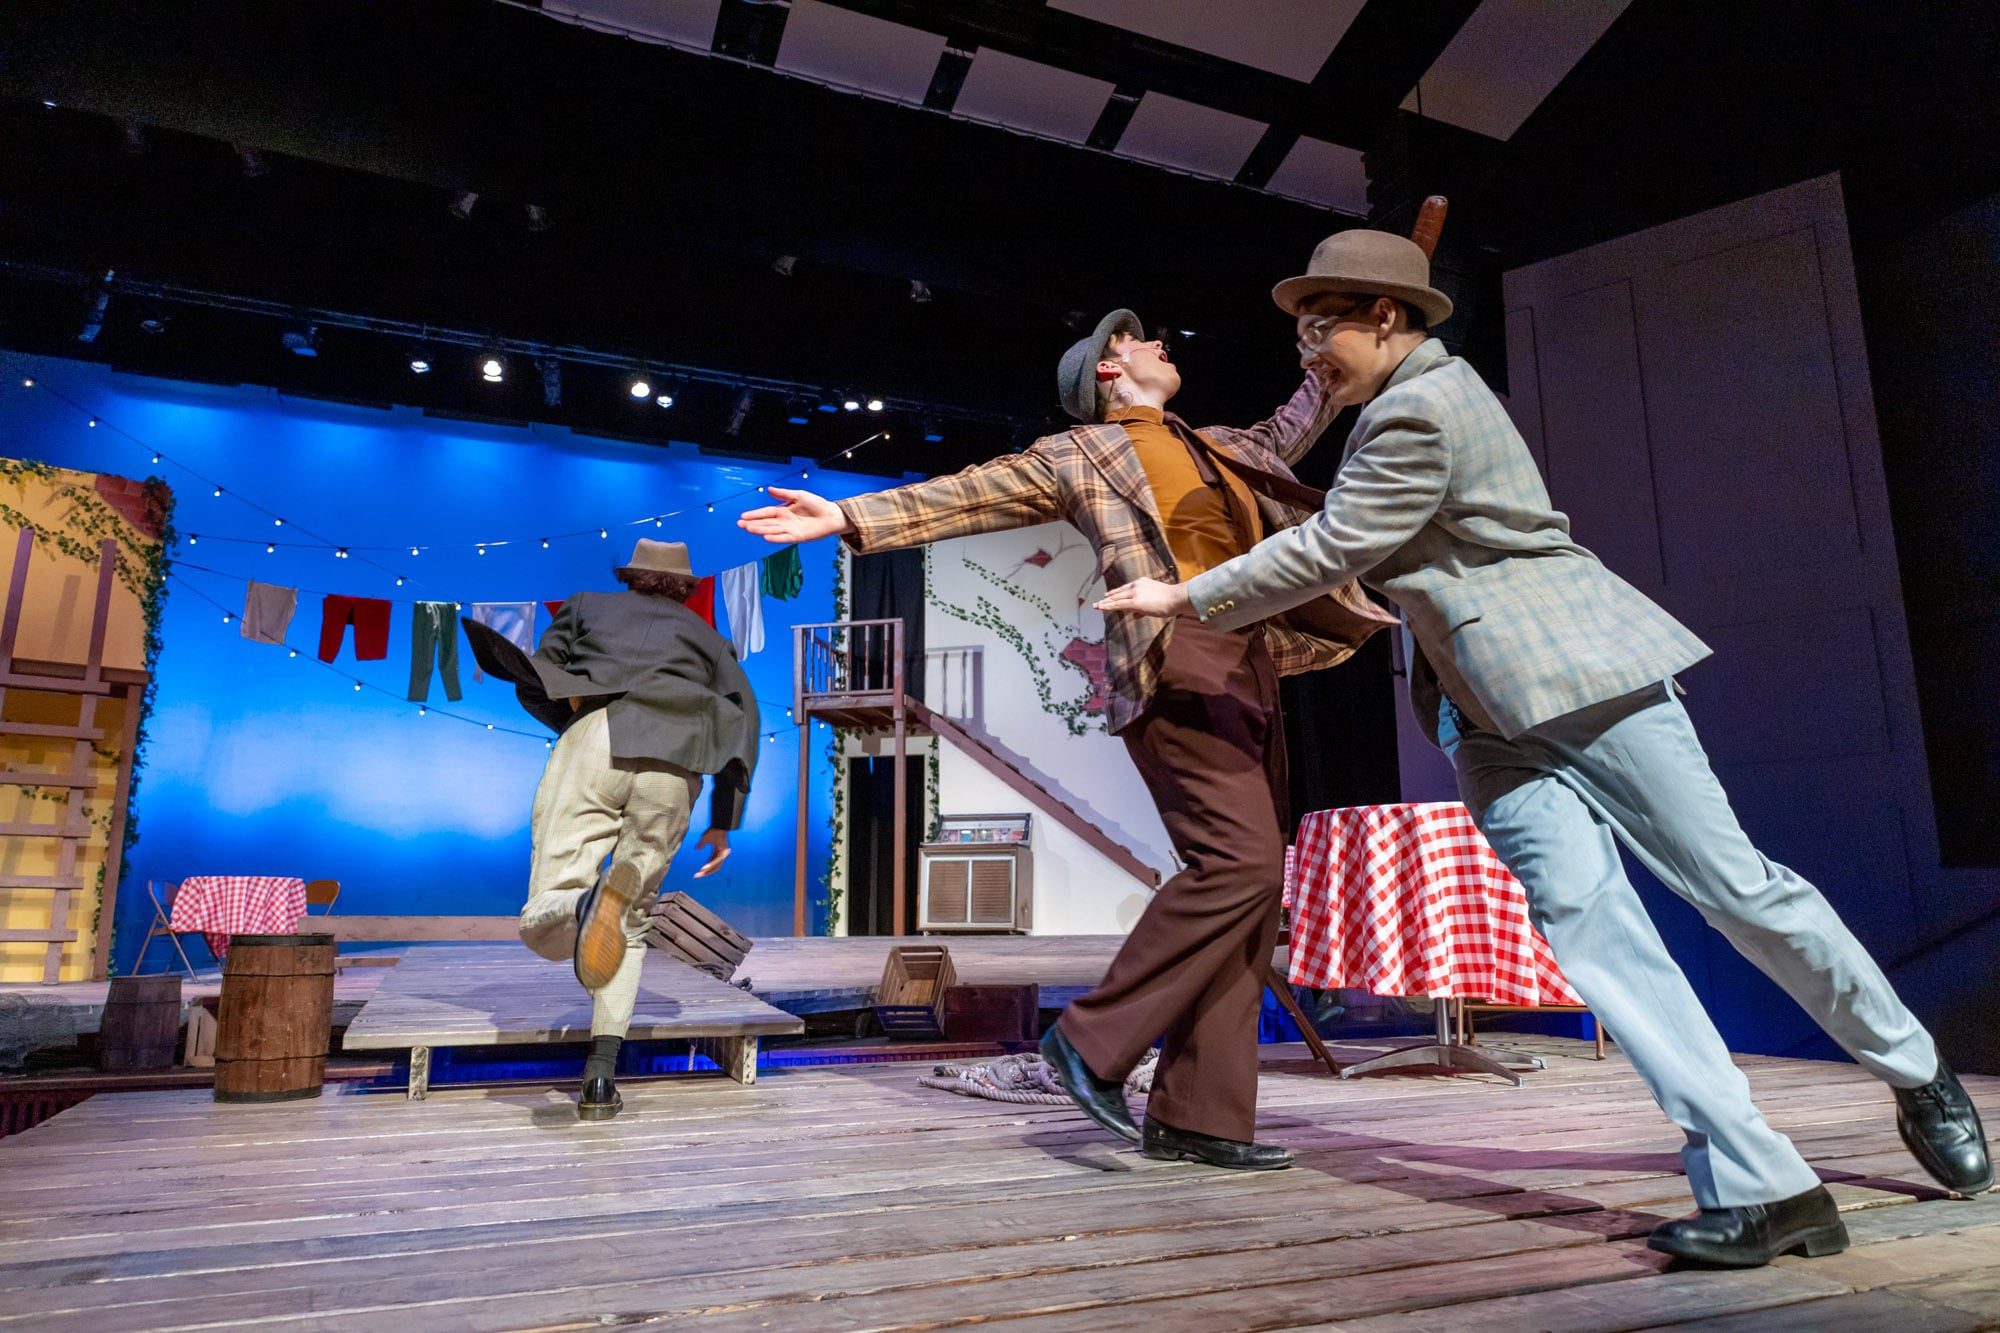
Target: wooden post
x=901 y=917
x=805 y=777
x=420 y=1072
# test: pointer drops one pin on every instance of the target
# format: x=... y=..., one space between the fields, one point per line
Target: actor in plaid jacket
x=1091 y=476
x=1197 y=709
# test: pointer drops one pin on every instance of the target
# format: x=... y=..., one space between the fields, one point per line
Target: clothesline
x=251 y=609
x=423 y=708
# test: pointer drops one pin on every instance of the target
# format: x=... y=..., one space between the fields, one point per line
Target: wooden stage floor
x=850 y=1198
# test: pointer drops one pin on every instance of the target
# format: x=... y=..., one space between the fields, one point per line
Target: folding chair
x=163 y=913
x=320 y=893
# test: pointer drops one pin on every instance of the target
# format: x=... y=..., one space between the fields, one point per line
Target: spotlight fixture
x=30 y=383
x=920 y=292
x=664 y=400
x=420 y=365
x=152 y=320
x=851 y=405
x=741 y=412
x=302 y=342
x=642 y=388
x=137 y=140
x=493 y=370
x=538 y=218
x=462 y=202
x=252 y=161
x=874 y=404
x=784 y=264
x=551 y=382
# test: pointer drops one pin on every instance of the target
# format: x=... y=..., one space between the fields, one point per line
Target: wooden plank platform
x=850 y=1198
x=41 y=1015
x=445 y=995
x=817 y=973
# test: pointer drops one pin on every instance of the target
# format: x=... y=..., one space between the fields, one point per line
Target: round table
x=1410 y=900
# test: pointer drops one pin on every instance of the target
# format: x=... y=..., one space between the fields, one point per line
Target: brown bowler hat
x=659 y=558
x=1367 y=263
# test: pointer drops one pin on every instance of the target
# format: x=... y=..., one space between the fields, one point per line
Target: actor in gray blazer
x=1549 y=681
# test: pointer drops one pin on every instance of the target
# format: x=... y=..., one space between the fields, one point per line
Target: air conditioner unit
x=978 y=878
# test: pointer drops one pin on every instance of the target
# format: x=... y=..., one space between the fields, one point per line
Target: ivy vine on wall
x=986 y=614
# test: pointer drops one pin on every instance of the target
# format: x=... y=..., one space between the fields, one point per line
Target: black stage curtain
x=889 y=585
x=1340 y=733
x=885 y=586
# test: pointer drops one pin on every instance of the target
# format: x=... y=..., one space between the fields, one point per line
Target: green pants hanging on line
x=434 y=635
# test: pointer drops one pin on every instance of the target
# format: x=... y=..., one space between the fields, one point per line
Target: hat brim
x=1293 y=292
x=1084 y=387
x=622 y=570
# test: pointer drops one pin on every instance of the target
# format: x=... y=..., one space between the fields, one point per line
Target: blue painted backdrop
x=264 y=764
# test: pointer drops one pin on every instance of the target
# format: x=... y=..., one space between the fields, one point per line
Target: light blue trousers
x=1551 y=802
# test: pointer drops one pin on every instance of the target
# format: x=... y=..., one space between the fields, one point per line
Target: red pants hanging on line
x=370 y=618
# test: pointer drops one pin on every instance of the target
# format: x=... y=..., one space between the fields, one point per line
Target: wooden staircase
x=850 y=673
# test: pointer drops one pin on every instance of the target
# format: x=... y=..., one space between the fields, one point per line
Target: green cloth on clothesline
x=784 y=574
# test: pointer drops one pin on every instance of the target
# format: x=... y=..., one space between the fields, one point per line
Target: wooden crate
x=915 y=980
x=690 y=932
x=992 y=1013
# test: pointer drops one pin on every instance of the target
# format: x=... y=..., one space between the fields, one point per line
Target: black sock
x=603 y=1059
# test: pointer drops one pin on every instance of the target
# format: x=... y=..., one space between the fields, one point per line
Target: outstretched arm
x=1016 y=491
x=1386 y=491
x=1292 y=430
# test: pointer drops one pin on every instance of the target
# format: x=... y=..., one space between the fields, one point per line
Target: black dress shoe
x=600 y=1100
x=1940 y=1126
x=1168 y=1144
x=1754 y=1235
x=1102 y=1099
x=600 y=925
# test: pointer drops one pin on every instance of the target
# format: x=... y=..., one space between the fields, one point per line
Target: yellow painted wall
x=55 y=626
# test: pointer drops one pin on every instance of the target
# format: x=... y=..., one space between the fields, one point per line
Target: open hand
x=717 y=842
x=800 y=516
x=1148 y=597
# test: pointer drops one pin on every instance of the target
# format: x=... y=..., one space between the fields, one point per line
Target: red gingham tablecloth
x=225 y=905
x=1410 y=900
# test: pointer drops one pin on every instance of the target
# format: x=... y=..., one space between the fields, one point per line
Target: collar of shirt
x=1139 y=413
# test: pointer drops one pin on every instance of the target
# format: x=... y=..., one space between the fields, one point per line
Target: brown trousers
x=1211 y=749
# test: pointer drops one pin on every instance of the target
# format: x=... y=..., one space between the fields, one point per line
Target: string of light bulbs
x=339 y=551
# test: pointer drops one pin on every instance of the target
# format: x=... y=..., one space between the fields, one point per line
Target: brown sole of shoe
x=1814 y=1243
x=598 y=1112
x=1174 y=1155
x=600 y=938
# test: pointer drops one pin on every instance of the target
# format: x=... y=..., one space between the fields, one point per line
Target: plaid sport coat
x=1091 y=476
x=1439 y=505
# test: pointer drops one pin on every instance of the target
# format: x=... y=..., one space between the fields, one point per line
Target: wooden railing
x=848 y=658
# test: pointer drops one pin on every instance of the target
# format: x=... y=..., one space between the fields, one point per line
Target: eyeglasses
x=1317 y=330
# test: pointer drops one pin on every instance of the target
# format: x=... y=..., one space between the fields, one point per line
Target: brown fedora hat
x=659 y=558
x=1367 y=263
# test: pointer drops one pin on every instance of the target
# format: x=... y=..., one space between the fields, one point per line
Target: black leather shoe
x=1940 y=1126
x=600 y=1100
x=1167 y=1144
x=600 y=925
x=1102 y=1099
x=1753 y=1236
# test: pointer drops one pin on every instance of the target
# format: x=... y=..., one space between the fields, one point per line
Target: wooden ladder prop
x=74 y=829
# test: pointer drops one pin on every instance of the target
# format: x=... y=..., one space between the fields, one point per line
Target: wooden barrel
x=141 y=1023
x=276 y=1018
